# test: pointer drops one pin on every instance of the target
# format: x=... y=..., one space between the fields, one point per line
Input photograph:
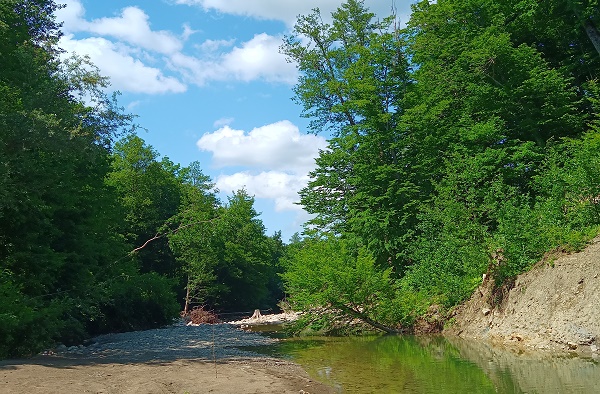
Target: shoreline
x=175 y=359
x=62 y=375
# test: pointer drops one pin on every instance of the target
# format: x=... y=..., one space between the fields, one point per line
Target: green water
x=407 y=364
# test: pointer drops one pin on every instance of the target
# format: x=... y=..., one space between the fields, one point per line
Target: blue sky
x=208 y=83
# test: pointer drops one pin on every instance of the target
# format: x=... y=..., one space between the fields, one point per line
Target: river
x=434 y=364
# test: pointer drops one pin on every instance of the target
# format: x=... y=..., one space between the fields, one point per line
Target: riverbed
x=223 y=359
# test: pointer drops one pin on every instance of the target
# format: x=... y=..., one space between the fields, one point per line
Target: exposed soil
x=177 y=359
x=180 y=376
x=554 y=306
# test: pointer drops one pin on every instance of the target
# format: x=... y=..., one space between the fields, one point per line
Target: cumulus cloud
x=126 y=72
x=258 y=58
x=219 y=60
x=277 y=146
x=132 y=27
x=280 y=156
x=278 y=186
x=71 y=15
x=288 y=10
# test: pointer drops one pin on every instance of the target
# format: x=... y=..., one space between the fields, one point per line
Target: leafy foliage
x=328 y=274
x=464 y=144
x=98 y=235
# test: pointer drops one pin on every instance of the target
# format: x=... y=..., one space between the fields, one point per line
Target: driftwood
x=256 y=315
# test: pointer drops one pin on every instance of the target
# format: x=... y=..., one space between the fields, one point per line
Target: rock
x=518 y=337
x=486 y=311
x=61 y=348
x=593 y=348
x=572 y=345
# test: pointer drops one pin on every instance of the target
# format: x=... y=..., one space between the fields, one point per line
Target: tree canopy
x=452 y=144
x=98 y=232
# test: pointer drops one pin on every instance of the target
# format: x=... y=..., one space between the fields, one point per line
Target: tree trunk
x=593 y=34
x=354 y=313
x=186 y=308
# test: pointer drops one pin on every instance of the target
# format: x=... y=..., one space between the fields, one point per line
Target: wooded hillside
x=466 y=143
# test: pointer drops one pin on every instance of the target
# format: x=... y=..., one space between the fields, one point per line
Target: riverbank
x=177 y=359
x=555 y=306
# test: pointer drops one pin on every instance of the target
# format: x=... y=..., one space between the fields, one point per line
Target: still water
x=433 y=364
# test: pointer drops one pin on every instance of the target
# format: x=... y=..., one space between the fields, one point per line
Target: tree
x=354 y=75
x=446 y=137
x=57 y=240
x=192 y=238
x=487 y=107
x=243 y=256
x=329 y=275
x=150 y=194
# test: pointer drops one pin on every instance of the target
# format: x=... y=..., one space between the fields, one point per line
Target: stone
x=517 y=337
x=593 y=348
x=486 y=311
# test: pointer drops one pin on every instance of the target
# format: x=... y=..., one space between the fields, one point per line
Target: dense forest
x=466 y=143
x=98 y=233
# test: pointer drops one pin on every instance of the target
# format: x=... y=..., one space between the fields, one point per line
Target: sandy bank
x=555 y=306
x=205 y=359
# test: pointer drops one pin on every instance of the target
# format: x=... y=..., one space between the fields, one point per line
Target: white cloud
x=288 y=10
x=258 y=58
x=71 y=15
x=126 y=72
x=278 y=146
x=280 y=155
x=278 y=186
x=132 y=27
x=188 y=32
x=223 y=122
x=214 y=45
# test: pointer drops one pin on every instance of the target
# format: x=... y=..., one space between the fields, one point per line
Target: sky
x=208 y=84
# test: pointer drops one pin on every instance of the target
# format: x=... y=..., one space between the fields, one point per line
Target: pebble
x=205 y=342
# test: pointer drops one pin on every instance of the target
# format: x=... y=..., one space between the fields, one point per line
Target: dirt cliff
x=554 y=306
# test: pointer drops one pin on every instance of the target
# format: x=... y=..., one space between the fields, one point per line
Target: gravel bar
x=205 y=342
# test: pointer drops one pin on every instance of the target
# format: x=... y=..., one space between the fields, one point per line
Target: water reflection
x=405 y=364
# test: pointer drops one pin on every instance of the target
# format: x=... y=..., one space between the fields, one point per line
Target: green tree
x=487 y=106
x=354 y=75
x=452 y=147
x=57 y=217
x=150 y=194
x=243 y=256
x=192 y=236
x=329 y=275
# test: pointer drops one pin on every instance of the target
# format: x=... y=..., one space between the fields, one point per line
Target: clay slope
x=556 y=305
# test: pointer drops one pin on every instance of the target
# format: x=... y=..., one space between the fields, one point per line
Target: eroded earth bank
x=554 y=306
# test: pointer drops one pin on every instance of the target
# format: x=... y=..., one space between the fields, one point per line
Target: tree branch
x=174 y=231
